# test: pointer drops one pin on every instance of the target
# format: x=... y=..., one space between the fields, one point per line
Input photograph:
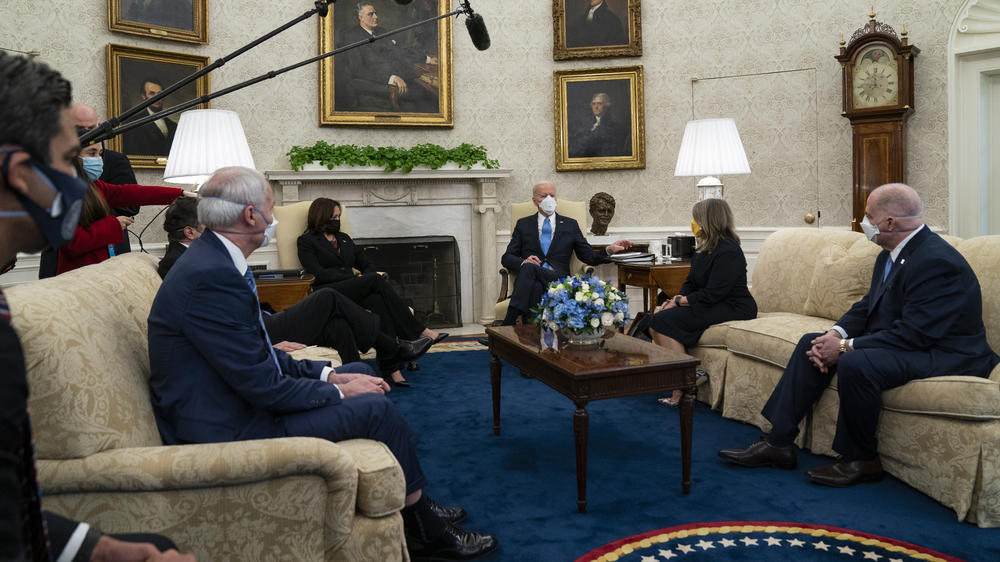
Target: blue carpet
x=521 y=486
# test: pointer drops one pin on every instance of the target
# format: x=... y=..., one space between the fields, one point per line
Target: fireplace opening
x=425 y=272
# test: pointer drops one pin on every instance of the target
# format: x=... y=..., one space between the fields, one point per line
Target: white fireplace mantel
x=381 y=205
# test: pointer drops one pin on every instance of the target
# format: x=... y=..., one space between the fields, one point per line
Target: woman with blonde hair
x=716 y=288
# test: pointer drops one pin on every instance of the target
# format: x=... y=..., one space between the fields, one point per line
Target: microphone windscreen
x=477 y=32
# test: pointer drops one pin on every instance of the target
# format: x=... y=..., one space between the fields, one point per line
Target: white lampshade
x=206 y=140
x=711 y=147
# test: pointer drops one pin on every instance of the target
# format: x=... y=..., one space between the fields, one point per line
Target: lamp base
x=709 y=187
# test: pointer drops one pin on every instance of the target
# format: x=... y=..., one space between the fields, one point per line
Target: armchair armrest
x=588 y=270
x=504 y=276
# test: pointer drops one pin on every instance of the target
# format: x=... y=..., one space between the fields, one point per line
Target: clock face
x=875 y=77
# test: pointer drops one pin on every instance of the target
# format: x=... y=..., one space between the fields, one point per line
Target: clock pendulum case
x=877 y=74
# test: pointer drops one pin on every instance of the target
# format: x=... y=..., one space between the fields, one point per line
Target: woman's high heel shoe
x=402 y=384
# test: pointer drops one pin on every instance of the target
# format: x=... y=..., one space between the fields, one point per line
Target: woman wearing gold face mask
x=716 y=288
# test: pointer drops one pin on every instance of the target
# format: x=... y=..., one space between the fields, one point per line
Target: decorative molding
x=980 y=16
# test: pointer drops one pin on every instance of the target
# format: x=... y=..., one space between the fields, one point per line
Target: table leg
x=687 y=423
x=495 y=369
x=580 y=428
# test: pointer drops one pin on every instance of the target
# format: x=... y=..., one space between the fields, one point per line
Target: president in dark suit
x=215 y=377
x=540 y=250
x=922 y=317
x=595 y=26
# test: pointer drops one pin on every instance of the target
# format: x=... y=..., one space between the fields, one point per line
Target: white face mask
x=548 y=205
x=871 y=230
x=268 y=230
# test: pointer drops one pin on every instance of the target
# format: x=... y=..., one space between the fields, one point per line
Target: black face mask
x=332 y=226
x=8 y=267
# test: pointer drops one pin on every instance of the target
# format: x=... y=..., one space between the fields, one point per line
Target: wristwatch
x=677 y=300
x=843 y=345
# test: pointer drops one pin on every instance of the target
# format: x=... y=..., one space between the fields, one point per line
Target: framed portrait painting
x=176 y=20
x=403 y=80
x=596 y=28
x=599 y=118
x=135 y=75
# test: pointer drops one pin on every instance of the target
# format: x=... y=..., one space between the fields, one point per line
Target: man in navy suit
x=922 y=317
x=215 y=377
x=540 y=250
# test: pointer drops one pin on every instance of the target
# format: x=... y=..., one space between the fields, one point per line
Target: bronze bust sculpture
x=602 y=209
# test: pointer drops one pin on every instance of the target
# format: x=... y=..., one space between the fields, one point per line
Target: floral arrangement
x=581 y=305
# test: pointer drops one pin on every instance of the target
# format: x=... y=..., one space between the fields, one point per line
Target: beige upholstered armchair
x=291 y=224
x=101 y=459
x=576 y=210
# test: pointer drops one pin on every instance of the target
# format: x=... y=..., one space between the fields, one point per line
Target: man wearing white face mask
x=540 y=250
x=922 y=317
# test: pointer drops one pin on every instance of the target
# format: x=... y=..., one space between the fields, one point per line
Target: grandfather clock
x=877 y=74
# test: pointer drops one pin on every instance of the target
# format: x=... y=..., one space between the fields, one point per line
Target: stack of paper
x=633 y=257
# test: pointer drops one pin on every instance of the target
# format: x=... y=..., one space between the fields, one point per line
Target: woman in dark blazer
x=716 y=288
x=332 y=256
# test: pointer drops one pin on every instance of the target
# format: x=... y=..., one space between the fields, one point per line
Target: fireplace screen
x=425 y=272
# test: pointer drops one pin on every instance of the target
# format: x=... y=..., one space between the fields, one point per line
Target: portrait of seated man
x=389 y=75
x=599 y=134
x=155 y=138
x=592 y=23
x=178 y=14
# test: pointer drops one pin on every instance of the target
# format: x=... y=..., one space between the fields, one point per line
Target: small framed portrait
x=176 y=20
x=135 y=75
x=403 y=80
x=600 y=119
x=583 y=29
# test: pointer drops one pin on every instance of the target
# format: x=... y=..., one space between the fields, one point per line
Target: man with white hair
x=215 y=377
x=922 y=317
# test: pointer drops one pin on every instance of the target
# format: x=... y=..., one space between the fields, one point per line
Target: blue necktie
x=546 y=239
x=888 y=266
x=248 y=277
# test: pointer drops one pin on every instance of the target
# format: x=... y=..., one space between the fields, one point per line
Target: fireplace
x=425 y=272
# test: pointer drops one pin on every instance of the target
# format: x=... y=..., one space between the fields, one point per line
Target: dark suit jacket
x=605 y=29
x=174 y=250
x=212 y=378
x=147 y=140
x=319 y=257
x=607 y=139
x=567 y=239
x=118 y=171
x=364 y=73
x=930 y=302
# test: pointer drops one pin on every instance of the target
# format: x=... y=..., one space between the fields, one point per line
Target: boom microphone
x=477 y=28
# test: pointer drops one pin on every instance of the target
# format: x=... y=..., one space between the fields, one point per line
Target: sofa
x=940 y=435
x=100 y=458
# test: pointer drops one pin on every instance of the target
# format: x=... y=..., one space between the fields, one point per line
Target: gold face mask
x=695 y=228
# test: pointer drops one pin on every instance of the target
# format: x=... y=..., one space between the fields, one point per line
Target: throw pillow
x=841 y=277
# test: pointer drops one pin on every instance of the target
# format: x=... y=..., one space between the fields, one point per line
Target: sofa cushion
x=840 y=278
x=983 y=254
x=772 y=337
x=381 y=484
x=967 y=398
x=86 y=355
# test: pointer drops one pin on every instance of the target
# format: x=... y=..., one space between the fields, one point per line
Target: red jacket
x=90 y=243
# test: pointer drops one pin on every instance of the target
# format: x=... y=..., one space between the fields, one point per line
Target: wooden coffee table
x=622 y=366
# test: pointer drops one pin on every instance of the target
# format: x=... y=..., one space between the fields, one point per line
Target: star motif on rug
x=821 y=546
x=648 y=559
x=795 y=542
x=705 y=545
x=771 y=541
x=846 y=550
x=685 y=548
x=895 y=560
x=872 y=556
x=747 y=541
x=668 y=554
x=727 y=542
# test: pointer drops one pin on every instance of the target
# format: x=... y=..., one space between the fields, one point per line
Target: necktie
x=888 y=266
x=546 y=239
x=248 y=277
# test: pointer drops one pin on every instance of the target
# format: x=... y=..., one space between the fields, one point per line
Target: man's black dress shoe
x=440 y=338
x=450 y=513
x=455 y=544
x=483 y=341
x=761 y=454
x=844 y=473
x=410 y=350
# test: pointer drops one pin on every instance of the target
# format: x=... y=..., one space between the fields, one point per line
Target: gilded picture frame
x=359 y=87
x=174 y=20
x=612 y=28
x=599 y=119
x=134 y=74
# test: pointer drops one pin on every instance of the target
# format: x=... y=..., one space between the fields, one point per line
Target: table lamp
x=711 y=148
x=206 y=140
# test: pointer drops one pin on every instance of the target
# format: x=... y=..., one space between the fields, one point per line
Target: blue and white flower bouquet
x=581 y=305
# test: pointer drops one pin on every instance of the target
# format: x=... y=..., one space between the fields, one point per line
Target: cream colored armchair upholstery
x=101 y=459
x=576 y=210
x=291 y=224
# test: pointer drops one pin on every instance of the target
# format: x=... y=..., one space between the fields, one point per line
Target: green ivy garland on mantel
x=389 y=157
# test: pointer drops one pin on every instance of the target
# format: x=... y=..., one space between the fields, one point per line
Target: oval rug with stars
x=759 y=540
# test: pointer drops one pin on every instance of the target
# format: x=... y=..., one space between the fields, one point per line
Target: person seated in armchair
x=324 y=317
x=214 y=376
x=716 y=287
x=922 y=317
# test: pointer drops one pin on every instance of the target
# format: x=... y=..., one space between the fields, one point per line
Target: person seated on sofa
x=716 y=287
x=325 y=317
x=922 y=317
x=332 y=256
x=214 y=376
x=39 y=202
